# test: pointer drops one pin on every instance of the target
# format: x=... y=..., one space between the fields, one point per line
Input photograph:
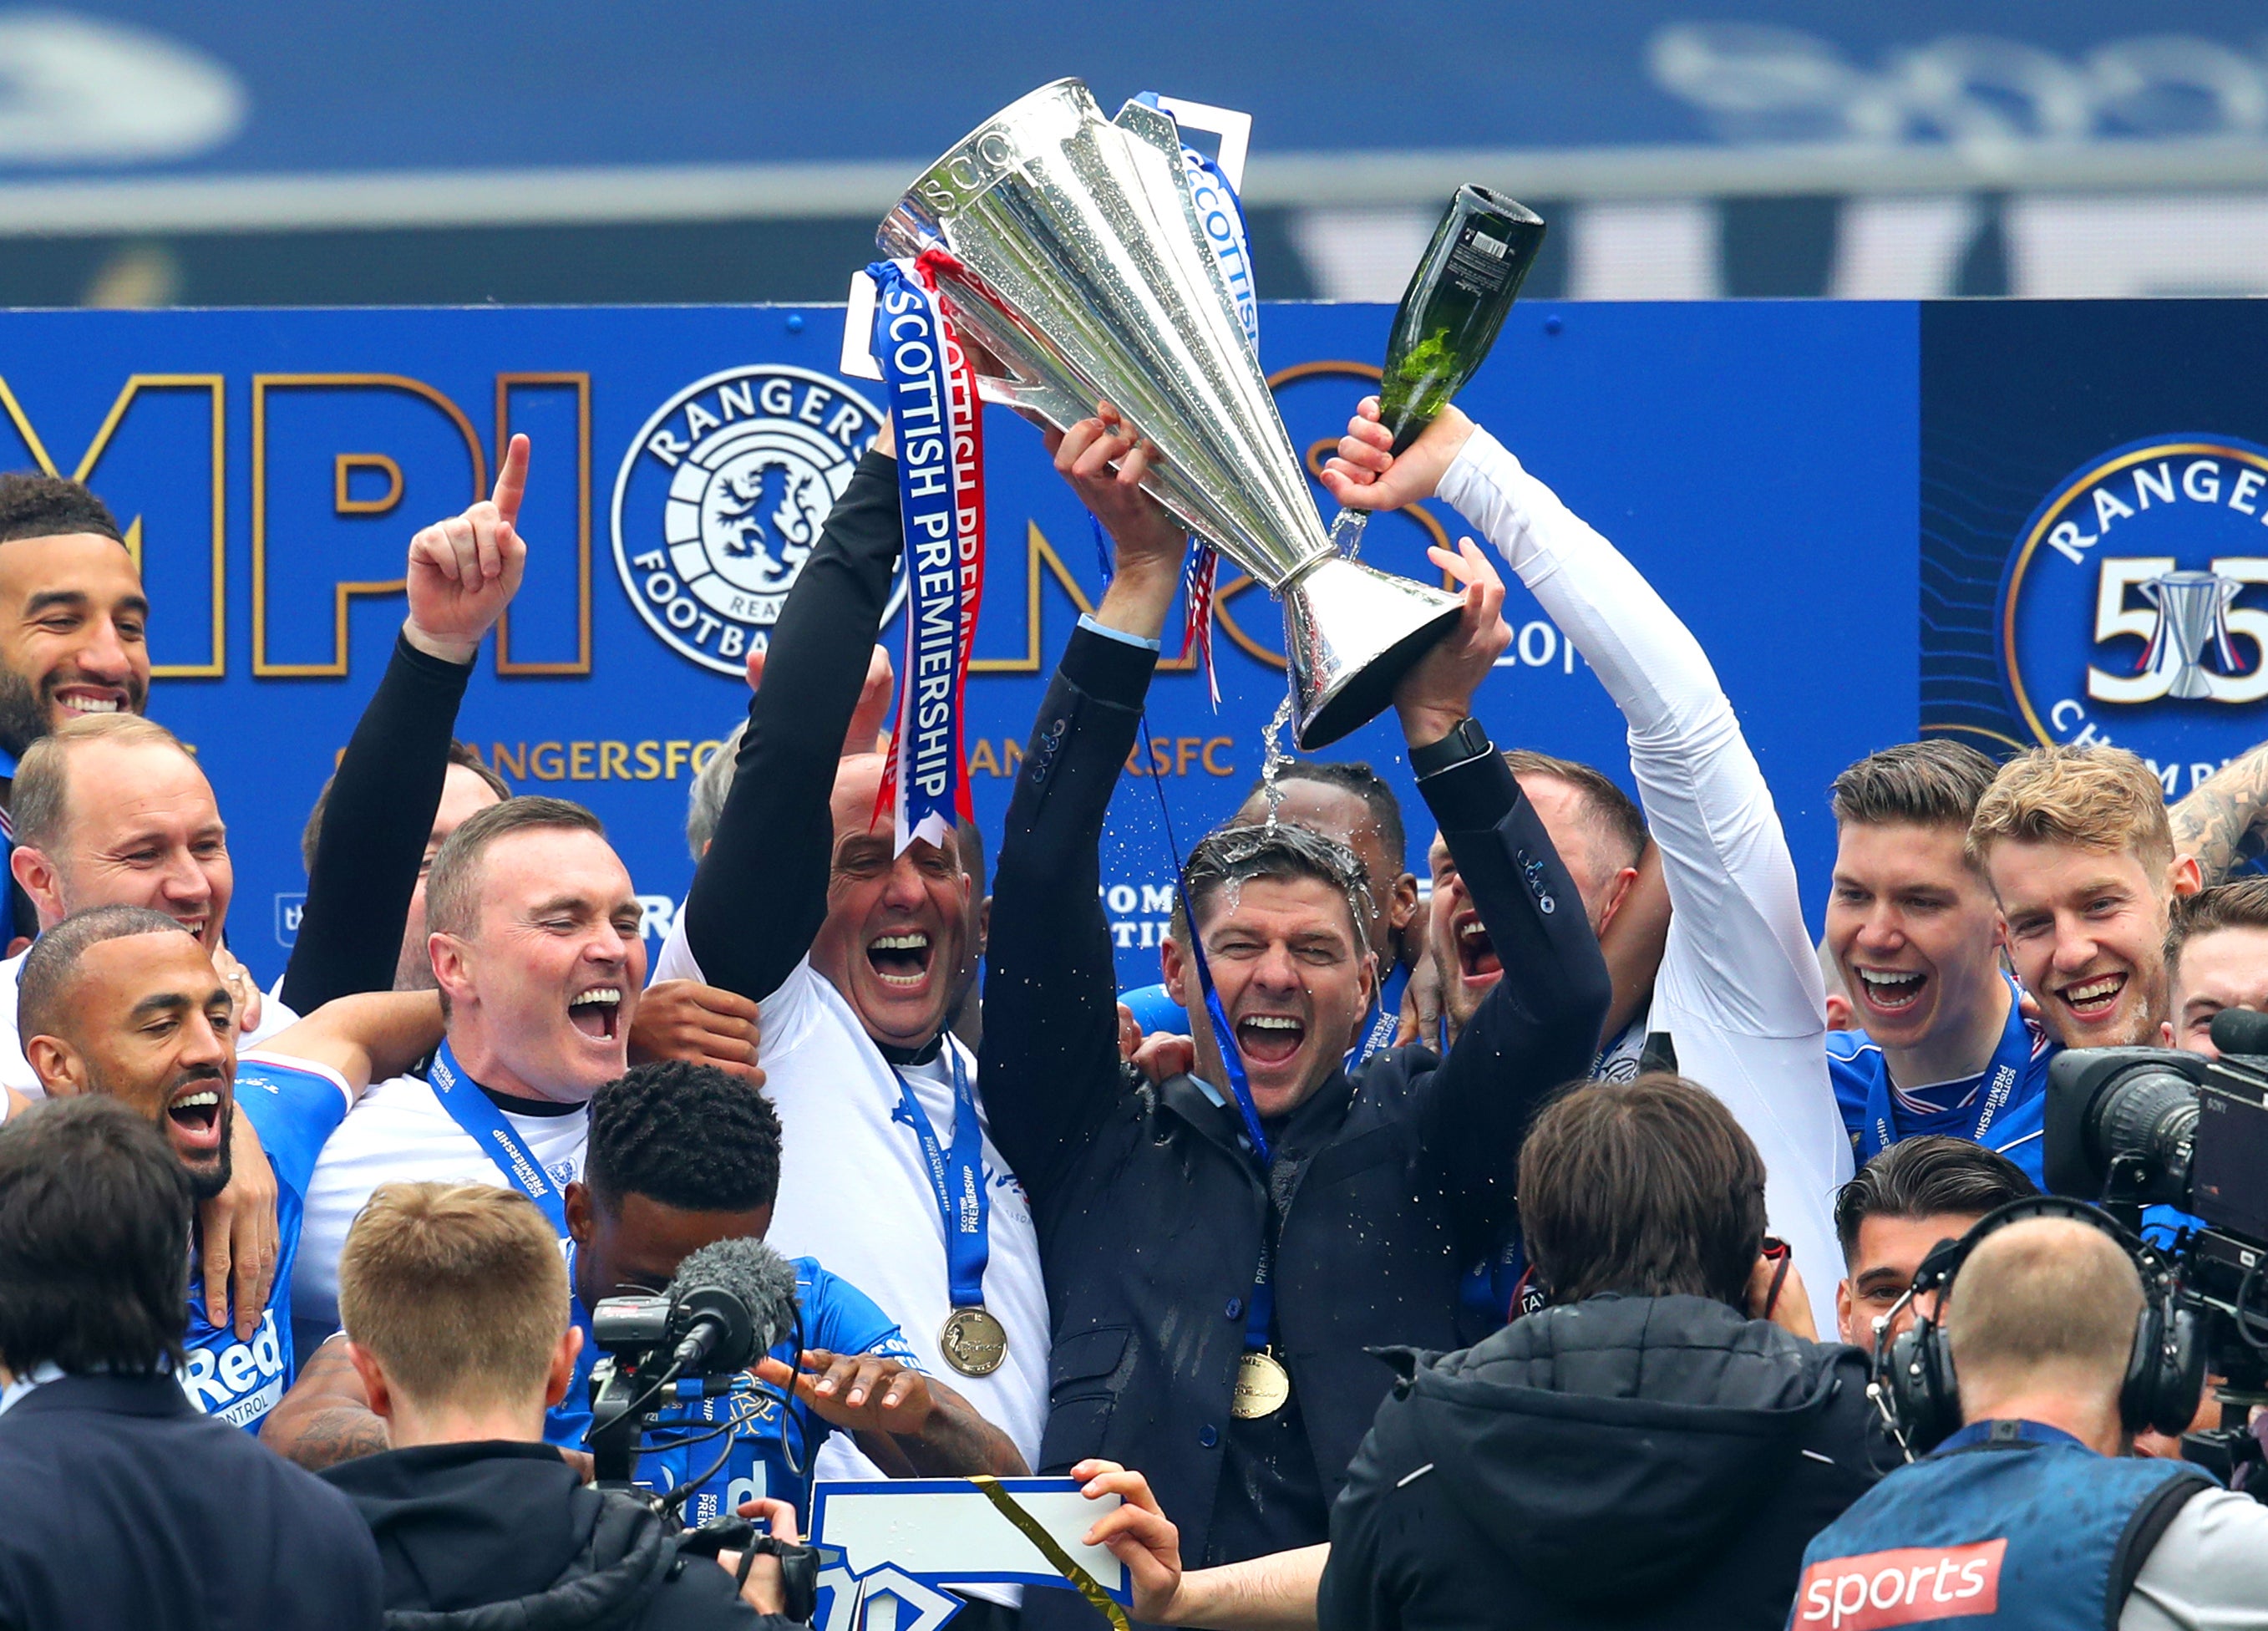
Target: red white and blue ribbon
x=939 y=427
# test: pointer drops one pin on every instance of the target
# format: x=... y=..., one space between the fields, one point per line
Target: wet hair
x=1935 y=783
x=460 y=753
x=2240 y=903
x=1647 y=1187
x=1364 y=783
x=50 y=975
x=35 y=506
x=1608 y=810
x=94 y=1240
x=687 y=1135
x=1927 y=1178
x=1228 y=857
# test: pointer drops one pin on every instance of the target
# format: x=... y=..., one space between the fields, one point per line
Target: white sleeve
x=1732 y=881
x=1739 y=991
x=2208 y=1572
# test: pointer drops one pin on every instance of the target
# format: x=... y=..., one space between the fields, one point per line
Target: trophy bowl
x=1073 y=256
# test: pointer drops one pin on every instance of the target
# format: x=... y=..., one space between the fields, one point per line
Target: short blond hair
x=2048 y=1302
x=458 y=1290
x=39 y=798
x=2096 y=798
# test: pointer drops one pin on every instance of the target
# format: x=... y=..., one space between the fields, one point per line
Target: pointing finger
x=512 y=480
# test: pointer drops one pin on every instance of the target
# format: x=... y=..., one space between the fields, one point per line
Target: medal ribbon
x=1385 y=1019
x=474 y=1112
x=957 y=1179
x=2001 y=1077
x=940 y=428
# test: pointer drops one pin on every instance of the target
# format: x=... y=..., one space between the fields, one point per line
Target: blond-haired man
x=455 y=1301
x=2080 y=854
x=2032 y=1513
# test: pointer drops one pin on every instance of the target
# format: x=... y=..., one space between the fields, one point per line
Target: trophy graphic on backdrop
x=1074 y=255
x=2192 y=618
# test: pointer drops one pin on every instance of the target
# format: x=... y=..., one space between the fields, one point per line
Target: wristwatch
x=1465 y=742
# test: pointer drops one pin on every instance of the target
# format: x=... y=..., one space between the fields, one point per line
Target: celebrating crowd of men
x=1447 y=1261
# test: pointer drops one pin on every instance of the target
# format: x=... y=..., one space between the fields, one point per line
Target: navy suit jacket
x=121 y=1505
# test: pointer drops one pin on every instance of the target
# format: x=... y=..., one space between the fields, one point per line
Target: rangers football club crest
x=2134 y=610
x=721 y=497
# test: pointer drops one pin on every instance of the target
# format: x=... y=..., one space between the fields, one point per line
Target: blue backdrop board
x=1757 y=461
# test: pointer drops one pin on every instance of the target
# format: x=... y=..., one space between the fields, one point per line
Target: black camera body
x=2131 y=1128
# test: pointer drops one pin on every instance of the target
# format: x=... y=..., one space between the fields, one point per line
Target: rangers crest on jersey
x=721 y=497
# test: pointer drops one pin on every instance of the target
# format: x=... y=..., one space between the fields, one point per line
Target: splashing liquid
x=1274 y=758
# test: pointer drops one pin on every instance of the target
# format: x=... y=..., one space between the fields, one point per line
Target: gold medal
x=973 y=1342
x=1263 y=1386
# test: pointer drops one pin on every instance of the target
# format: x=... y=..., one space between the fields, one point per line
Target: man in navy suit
x=121 y=1503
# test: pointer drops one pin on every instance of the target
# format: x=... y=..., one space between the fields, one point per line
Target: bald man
x=2034 y=1512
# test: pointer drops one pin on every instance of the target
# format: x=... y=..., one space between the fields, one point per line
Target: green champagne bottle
x=1455 y=307
x=1449 y=317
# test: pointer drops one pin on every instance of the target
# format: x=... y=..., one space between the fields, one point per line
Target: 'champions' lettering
x=1901 y=1587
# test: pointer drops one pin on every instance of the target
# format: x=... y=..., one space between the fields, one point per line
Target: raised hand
x=876 y=698
x=1151 y=542
x=464 y=572
x=1438 y=692
x=1366 y=476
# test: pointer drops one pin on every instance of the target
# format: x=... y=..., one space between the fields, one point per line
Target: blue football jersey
x=2016 y=1128
x=769 y=1455
x=293 y=1108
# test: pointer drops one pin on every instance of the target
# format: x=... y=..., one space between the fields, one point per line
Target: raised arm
x=2212 y=821
x=760 y=894
x=379 y=813
x=1049 y=1061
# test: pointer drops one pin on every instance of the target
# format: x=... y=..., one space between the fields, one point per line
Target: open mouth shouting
x=1268 y=1039
x=193 y=1119
x=2093 y=1000
x=1477 y=957
x=901 y=960
x=597 y=1013
x=1889 y=991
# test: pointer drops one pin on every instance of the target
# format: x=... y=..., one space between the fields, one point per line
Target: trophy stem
x=1351 y=632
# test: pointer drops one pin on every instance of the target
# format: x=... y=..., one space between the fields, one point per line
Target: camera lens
x=2147 y=1121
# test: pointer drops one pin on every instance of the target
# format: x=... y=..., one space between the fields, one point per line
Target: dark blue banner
x=1756 y=460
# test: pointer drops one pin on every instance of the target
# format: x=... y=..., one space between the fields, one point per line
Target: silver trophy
x=2192 y=618
x=1083 y=268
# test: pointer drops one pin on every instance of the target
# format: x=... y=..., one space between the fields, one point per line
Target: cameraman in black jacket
x=1648 y=1453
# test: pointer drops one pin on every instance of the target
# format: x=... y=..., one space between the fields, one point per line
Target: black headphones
x=1914 y=1386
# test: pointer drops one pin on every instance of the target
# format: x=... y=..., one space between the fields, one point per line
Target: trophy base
x=1351 y=632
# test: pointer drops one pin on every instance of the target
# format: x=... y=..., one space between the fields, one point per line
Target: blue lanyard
x=2001 y=1077
x=484 y=1124
x=957 y=1179
x=2007 y=1427
x=1385 y=1019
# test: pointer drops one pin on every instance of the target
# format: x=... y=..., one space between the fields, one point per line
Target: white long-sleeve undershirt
x=1739 y=991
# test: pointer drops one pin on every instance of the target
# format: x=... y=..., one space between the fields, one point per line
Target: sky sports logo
x=1902 y=1588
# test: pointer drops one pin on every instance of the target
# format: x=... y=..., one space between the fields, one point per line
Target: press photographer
x=2055 y=1336
x=455 y=1303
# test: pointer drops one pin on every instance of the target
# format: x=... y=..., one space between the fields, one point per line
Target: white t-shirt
x=2209 y=1570
x=400 y=1133
x=16 y=1071
x=1739 y=990
x=855 y=1193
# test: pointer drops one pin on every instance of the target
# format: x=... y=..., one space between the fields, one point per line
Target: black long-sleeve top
x=380 y=815
x=1150 y=1214
x=760 y=895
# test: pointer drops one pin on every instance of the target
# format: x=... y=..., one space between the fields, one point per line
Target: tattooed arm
x=326 y=1418
x=2214 y=820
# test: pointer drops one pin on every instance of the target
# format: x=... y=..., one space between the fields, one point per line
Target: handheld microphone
x=2241 y=1030
x=736 y=1299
